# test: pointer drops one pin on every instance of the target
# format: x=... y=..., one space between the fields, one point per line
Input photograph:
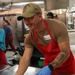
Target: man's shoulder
x=29 y=34
x=53 y=21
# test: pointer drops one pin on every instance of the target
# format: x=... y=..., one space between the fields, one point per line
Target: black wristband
x=51 y=67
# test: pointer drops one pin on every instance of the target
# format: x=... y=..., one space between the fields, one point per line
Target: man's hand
x=44 y=71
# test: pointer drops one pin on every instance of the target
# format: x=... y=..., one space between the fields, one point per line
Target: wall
x=71 y=3
x=56 y=4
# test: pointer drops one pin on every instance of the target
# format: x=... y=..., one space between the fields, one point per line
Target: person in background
x=51 y=38
x=3 y=60
x=50 y=15
x=9 y=35
x=56 y=17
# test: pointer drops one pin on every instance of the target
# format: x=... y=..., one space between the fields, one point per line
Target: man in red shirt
x=51 y=38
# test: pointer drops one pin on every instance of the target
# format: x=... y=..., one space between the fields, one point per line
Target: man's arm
x=63 y=55
x=25 y=61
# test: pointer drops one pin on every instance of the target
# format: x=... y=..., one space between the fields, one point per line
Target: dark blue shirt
x=8 y=30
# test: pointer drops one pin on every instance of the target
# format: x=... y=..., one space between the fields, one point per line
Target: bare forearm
x=61 y=58
x=23 y=65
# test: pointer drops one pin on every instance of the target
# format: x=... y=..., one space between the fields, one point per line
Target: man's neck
x=40 y=27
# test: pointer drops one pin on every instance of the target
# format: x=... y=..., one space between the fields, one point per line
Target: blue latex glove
x=44 y=71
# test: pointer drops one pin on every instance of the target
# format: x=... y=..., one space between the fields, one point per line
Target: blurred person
x=56 y=17
x=51 y=38
x=50 y=15
x=3 y=60
x=9 y=35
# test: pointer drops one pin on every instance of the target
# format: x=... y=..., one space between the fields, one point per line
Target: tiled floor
x=10 y=54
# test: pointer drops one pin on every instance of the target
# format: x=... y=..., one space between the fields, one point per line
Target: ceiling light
x=23 y=3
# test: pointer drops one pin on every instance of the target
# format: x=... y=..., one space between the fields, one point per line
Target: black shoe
x=15 y=53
